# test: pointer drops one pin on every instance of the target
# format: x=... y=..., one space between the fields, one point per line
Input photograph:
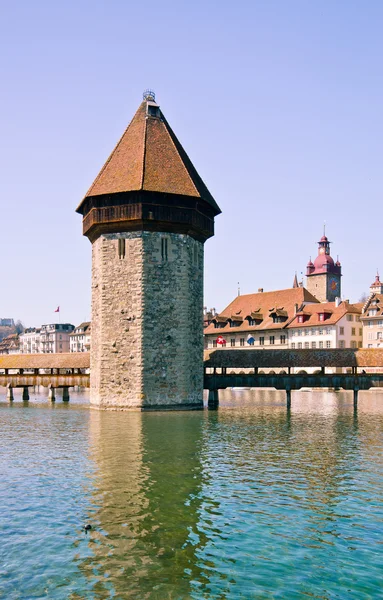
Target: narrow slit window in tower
x=121 y=247
x=164 y=249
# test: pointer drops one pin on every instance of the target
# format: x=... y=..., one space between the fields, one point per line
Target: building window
x=341 y=343
x=313 y=344
x=369 y=346
x=353 y=331
x=379 y=335
x=242 y=341
x=350 y=317
x=214 y=343
x=328 y=331
x=293 y=346
x=357 y=317
x=320 y=331
x=360 y=331
x=370 y=336
x=320 y=344
x=251 y=322
x=261 y=341
x=341 y=330
x=283 y=339
x=370 y=323
x=232 y=342
x=271 y=339
x=380 y=323
x=359 y=344
x=307 y=345
x=353 y=345
x=321 y=316
x=164 y=249
x=299 y=331
x=328 y=344
x=372 y=313
x=300 y=345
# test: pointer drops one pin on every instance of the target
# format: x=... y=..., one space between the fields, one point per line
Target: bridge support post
x=212 y=401
x=65 y=394
x=51 y=393
x=10 y=393
x=25 y=394
x=356 y=391
x=288 y=399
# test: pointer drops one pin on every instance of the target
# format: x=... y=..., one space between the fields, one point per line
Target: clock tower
x=323 y=275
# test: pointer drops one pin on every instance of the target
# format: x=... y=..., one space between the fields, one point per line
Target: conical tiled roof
x=150 y=158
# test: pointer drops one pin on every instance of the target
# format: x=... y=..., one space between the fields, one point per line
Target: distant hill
x=4 y=331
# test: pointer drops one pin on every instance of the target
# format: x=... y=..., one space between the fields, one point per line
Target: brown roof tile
x=334 y=313
x=67 y=360
x=149 y=157
x=262 y=303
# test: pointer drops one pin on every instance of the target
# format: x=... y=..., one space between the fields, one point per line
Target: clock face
x=321 y=250
x=333 y=284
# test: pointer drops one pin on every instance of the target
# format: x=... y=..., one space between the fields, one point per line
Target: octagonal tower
x=147 y=215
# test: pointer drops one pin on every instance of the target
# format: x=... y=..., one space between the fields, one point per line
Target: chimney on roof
x=295 y=309
x=260 y=290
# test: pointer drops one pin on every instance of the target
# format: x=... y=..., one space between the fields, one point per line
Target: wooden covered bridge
x=53 y=371
x=288 y=370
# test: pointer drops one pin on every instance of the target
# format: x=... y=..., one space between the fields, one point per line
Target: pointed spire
x=295 y=282
x=149 y=158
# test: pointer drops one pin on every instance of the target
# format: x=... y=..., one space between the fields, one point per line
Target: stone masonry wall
x=116 y=349
x=317 y=286
x=172 y=325
x=147 y=334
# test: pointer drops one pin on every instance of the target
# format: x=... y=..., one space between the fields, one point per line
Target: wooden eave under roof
x=149 y=158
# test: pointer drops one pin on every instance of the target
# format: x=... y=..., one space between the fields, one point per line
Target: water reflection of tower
x=146 y=503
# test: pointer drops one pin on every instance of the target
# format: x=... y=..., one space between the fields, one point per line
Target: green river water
x=251 y=501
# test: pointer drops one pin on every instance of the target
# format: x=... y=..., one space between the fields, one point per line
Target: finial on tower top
x=324 y=228
x=149 y=95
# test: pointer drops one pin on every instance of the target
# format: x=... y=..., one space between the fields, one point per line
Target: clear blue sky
x=278 y=104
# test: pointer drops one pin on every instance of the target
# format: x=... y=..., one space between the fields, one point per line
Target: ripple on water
x=246 y=502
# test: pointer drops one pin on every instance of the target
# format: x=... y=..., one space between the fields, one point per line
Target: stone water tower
x=147 y=215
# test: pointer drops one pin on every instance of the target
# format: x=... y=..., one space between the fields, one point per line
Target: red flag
x=57 y=309
x=221 y=341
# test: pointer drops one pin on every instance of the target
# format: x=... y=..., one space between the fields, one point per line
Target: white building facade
x=47 y=339
x=79 y=339
x=372 y=316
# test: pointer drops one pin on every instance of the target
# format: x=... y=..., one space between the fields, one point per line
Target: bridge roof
x=250 y=358
x=69 y=360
